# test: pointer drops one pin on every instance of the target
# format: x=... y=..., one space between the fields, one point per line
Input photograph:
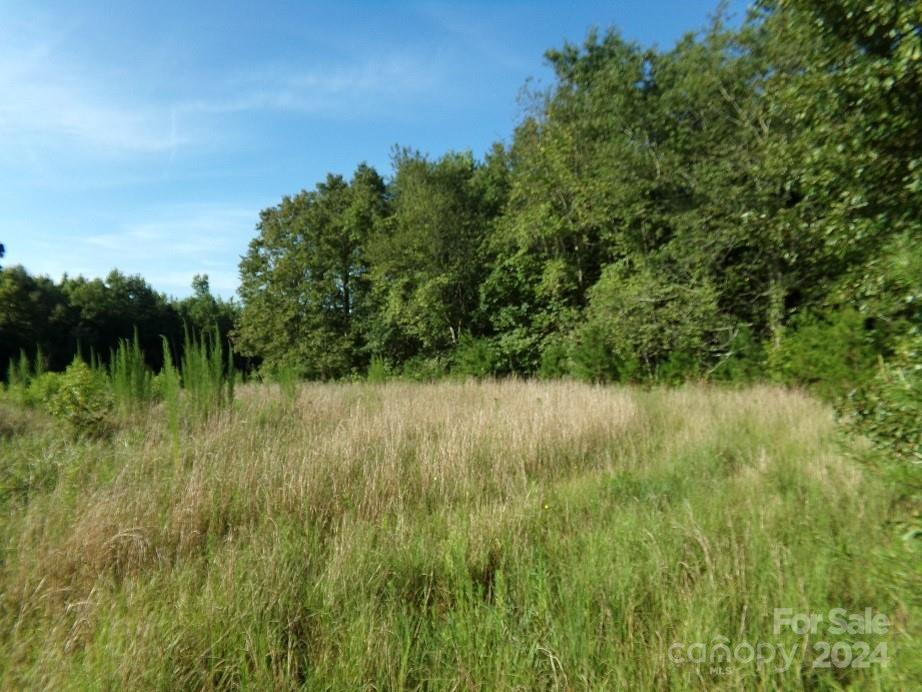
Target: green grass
x=449 y=536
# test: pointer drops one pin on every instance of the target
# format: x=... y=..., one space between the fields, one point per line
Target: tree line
x=55 y=321
x=746 y=202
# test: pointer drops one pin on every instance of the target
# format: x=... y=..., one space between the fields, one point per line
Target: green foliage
x=678 y=367
x=19 y=372
x=742 y=358
x=131 y=379
x=474 y=357
x=593 y=358
x=639 y=323
x=43 y=388
x=426 y=259
x=888 y=290
x=304 y=279
x=423 y=369
x=206 y=376
x=202 y=311
x=555 y=358
x=27 y=381
x=96 y=316
x=83 y=401
x=378 y=370
x=286 y=376
x=742 y=205
x=33 y=315
x=106 y=312
x=887 y=409
x=168 y=384
x=830 y=352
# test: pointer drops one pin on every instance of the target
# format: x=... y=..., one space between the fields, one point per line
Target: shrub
x=19 y=375
x=378 y=370
x=517 y=350
x=43 y=388
x=474 y=357
x=593 y=357
x=83 y=401
x=207 y=373
x=829 y=352
x=554 y=359
x=888 y=409
x=742 y=358
x=422 y=369
x=678 y=367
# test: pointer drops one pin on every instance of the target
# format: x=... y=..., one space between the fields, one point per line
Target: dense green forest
x=53 y=322
x=745 y=205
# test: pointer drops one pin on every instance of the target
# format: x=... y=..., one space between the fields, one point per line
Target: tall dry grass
x=459 y=535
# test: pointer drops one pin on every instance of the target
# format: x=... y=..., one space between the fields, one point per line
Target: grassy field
x=485 y=536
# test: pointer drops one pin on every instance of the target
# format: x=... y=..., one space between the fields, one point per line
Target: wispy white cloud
x=49 y=99
x=47 y=109
x=358 y=88
x=486 y=35
x=53 y=97
x=48 y=93
x=100 y=131
x=180 y=231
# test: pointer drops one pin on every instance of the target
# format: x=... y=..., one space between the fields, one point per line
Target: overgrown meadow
x=175 y=532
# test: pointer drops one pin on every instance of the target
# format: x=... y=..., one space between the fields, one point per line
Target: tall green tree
x=427 y=257
x=304 y=278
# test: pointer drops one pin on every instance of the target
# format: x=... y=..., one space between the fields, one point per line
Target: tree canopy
x=656 y=214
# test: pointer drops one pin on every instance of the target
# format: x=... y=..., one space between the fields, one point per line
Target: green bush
x=831 y=352
x=555 y=360
x=131 y=379
x=422 y=369
x=742 y=358
x=83 y=401
x=207 y=373
x=20 y=374
x=378 y=370
x=474 y=357
x=43 y=388
x=678 y=367
x=593 y=358
x=888 y=409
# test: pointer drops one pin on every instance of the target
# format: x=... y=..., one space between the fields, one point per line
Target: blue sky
x=147 y=136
